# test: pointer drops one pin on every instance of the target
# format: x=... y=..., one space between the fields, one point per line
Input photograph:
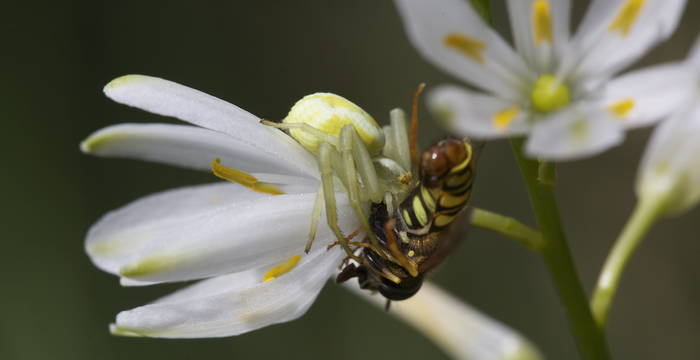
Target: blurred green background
x=263 y=56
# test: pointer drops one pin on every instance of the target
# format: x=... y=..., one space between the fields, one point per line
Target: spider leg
x=325 y=165
x=325 y=137
x=347 y=143
x=315 y=215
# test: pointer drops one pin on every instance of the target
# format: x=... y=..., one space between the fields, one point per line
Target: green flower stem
x=547 y=173
x=509 y=227
x=646 y=212
x=557 y=257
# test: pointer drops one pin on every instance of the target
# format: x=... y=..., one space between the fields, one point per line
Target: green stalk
x=557 y=257
x=509 y=227
x=646 y=212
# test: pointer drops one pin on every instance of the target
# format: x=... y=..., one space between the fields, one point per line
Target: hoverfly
x=413 y=239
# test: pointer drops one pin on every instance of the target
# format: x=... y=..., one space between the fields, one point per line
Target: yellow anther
x=504 y=118
x=549 y=94
x=243 y=178
x=627 y=16
x=621 y=108
x=411 y=253
x=470 y=47
x=329 y=113
x=541 y=22
x=281 y=269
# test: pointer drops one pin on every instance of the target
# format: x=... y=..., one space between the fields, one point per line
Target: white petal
x=603 y=46
x=476 y=115
x=580 y=130
x=652 y=93
x=694 y=57
x=167 y=98
x=203 y=231
x=195 y=147
x=428 y=24
x=671 y=160
x=540 y=54
x=232 y=304
x=462 y=331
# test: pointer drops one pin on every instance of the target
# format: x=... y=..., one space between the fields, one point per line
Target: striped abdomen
x=446 y=176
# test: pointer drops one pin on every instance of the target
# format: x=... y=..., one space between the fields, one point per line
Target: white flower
x=551 y=85
x=248 y=245
x=670 y=168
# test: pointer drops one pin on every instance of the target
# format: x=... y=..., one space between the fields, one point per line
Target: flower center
x=549 y=94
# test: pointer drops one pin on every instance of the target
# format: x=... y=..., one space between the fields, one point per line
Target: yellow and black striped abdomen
x=446 y=177
x=452 y=197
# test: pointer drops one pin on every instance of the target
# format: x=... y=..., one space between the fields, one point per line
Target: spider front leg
x=353 y=149
x=325 y=164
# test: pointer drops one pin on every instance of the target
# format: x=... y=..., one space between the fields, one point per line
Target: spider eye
x=329 y=113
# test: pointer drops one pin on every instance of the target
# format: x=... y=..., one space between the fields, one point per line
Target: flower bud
x=670 y=169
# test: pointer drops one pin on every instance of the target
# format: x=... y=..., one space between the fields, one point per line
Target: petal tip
x=121 y=81
x=85 y=146
x=117 y=330
x=148 y=266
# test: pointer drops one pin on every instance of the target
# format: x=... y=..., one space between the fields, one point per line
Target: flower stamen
x=541 y=22
x=627 y=16
x=281 y=269
x=621 y=108
x=243 y=178
x=505 y=117
x=466 y=45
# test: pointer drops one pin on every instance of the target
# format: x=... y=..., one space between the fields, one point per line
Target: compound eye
x=433 y=166
x=455 y=151
x=402 y=291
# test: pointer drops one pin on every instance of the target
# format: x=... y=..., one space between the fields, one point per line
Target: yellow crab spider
x=369 y=162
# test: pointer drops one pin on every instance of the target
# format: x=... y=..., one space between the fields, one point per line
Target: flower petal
x=476 y=115
x=540 y=29
x=580 y=130
x=671 y=160
x=694 y=57
x=195 y=147
x=642 y=97
x=462 y=331
x=451 y=34
x=167 y=98
x=615 y=33
x=232 y=304
x=208 y=230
